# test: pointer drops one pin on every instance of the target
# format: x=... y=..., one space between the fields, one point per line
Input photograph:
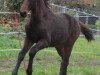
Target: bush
x=98 y=24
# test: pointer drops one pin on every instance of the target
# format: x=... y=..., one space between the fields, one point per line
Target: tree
x=98 y=24
x=14 y=4
x=68 y=2
x=97 y=7
x=3 y=5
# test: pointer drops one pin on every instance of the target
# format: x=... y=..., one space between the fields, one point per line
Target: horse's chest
x=33 y=34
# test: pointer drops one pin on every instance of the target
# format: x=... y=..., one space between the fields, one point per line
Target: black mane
x=46 y=3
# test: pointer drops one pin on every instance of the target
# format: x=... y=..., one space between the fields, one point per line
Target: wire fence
x=79 y=15
x=48 y=50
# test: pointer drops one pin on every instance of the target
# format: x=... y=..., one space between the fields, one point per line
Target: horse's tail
x=86 y=31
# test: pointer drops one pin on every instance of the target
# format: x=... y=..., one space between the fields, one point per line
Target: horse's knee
x=21 y=55
x=32 y=53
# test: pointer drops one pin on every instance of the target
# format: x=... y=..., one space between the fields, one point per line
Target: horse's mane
x=46 y=3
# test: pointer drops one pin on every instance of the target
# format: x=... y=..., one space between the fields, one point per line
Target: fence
x=88 y=19
x=82 y=16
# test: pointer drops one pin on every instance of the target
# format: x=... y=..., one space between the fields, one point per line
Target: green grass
x=48 y=62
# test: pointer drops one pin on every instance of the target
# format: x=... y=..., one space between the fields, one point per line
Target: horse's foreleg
x=20 y=58
x=40 y=45
x=21 y=55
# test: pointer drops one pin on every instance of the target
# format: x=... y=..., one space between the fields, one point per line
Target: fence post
x=87 y=19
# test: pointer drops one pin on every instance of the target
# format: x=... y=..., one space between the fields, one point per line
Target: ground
x=84 y=60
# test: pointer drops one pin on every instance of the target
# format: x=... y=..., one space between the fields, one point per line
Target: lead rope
x=17 y=21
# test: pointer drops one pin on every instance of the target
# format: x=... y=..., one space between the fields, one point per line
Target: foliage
x=67 y=2
x=3 y=5
x=80 y=4
x=10 y=5
x=14 y=4
x=98 y=24
x=97 y=12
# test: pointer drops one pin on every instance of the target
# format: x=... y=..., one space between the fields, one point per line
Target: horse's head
x=28 y=5
x=25 y=8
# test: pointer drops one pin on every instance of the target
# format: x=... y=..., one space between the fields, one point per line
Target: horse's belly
x=58 y=39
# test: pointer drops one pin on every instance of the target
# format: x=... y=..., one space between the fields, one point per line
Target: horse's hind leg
x=22 y=53
x=67 y=52
x=60 y=50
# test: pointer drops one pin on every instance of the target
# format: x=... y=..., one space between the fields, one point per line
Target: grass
x=47 y=62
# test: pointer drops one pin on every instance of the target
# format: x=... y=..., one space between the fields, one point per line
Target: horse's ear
x=46 y=3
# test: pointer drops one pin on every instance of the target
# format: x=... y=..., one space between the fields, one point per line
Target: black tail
x=86 y=31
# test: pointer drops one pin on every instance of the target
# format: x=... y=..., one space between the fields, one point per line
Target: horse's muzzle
x=23 y=14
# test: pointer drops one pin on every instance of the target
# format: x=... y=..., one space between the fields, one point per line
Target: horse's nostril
x=23 y=14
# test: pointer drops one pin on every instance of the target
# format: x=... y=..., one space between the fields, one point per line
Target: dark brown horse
x=48 y=29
